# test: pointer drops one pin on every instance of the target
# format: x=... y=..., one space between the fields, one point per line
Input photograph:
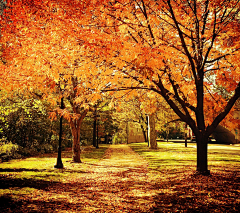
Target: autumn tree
x=44 y=55
x=182 y=50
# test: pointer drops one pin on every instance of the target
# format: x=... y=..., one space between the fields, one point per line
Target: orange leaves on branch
x=167 y=46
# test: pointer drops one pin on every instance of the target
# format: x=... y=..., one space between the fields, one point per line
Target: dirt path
x=117 y=183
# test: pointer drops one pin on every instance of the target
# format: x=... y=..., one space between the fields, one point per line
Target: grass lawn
x=164 y=181
x=23 y=176
x=175 y=156
x=172 y=168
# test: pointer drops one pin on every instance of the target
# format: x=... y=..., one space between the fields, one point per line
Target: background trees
x=25 y=122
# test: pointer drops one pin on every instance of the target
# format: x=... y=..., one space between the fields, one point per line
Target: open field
x=117 y=179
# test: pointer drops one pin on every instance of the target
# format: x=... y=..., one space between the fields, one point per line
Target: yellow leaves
x=96 y=97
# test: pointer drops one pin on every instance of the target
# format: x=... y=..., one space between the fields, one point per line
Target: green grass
x=42 y=167
x=27 y=176
x=172 y=156
x=33 y=185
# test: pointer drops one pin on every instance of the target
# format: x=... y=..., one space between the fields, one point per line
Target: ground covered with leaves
x=118 y=179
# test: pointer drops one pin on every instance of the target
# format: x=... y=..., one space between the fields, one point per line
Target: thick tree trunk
x=152 y=132
x=76 y=151
x=202 y=160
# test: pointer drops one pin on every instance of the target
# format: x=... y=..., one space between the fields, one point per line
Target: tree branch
x=226 y=110
x=183 y=41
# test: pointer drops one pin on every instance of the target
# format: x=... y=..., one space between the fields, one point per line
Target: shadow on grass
x=89 y=193
x=218 y=192
x=193 y=193
x=20 y=170
x=42 y=170
x=9 y=182
x=11 y=205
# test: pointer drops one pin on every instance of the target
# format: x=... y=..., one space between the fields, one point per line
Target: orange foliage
x=185 y=51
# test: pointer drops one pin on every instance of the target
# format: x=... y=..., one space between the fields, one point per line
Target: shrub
x=119 y=138
x=8 y=150
x=46 y=148
x=28 y=151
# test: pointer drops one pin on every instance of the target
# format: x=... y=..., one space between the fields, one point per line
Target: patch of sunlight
x=17 y=192
x=29 y=163
x=141 y=193
x=174 y=156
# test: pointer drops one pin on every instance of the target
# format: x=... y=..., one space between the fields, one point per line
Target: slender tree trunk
x=94 y=130
x=148 y=131
x=127 y=132
x=152 y=132
x=144 y=133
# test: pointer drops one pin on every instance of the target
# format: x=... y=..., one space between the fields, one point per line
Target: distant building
x=135 y=133
x=223 y=135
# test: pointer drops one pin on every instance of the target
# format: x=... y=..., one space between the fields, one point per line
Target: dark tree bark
x=75 y=125
x=152 y=132
x=94 y=128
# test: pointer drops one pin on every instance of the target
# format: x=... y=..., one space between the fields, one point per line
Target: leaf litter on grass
x=117 y=183
x=123 y=182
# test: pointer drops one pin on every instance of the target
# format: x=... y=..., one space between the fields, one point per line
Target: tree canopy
x=185 y=51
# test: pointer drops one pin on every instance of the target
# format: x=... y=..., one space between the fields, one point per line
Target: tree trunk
x=94 y=131
x=152 y=132
x=144 y=133
x=148 y=131
x=127 y=132
x=75 y=128
x=202 y=161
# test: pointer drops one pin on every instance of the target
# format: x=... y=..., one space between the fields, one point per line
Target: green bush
x=46 y=148
x=8 y=150
x=28 y=151
x=119 y=138
x=26 y=122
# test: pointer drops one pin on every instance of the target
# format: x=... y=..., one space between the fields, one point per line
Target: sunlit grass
x=165 y=181
x=26 y=177
x=171 y=156
x=42 y=167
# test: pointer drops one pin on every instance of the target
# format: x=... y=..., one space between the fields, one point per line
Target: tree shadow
x=91 y=192
x=42 y=170
x=38 y=206
x=20 y=170
x=218 y=192
x=193 y=193
x=9 y=182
